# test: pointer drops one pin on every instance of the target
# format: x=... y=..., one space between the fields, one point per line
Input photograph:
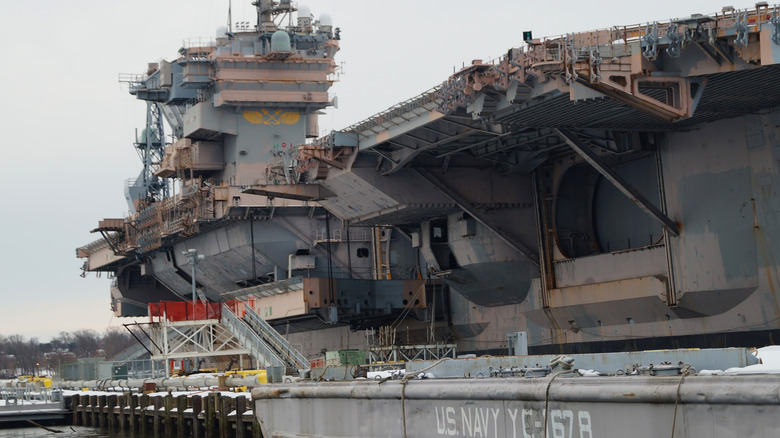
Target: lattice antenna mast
x=151 y=150
x=271 y=14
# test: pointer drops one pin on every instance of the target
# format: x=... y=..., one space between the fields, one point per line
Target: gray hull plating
x=639 y=407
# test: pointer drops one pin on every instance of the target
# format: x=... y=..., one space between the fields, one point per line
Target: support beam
x=475 y=145
x=301 y=192
x=107 y=239
x=410 y=155
x=466 y=206
x=594 y=160
x=451 y=120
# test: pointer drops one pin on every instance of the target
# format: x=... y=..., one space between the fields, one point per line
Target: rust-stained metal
x=505 y=204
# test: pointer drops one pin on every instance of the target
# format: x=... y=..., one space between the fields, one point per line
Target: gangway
x=250 y=339
x=189 y=330
x=292 y=357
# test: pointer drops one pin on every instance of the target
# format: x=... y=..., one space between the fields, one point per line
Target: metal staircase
x=133 y=352
x=250 y=339
x=292 y=357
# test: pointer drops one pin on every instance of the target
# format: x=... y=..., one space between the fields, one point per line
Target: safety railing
x=421 y=101
x=250 y=339
x=286 y=351
x=184 y=311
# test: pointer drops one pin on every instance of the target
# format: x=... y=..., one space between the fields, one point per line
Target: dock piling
x=209 y=416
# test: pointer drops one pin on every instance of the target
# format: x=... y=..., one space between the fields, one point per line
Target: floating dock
x=26 y=404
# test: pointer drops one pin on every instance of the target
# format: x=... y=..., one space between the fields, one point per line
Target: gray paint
x=517 y=407
x=717 y=175
x=709 y=191
x=611 y=266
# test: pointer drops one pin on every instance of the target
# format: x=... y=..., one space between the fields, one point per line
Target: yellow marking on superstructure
x=290 y=118
x=272 y=117
x=253 y=117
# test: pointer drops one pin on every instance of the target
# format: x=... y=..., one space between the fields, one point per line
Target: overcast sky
x=68 y=125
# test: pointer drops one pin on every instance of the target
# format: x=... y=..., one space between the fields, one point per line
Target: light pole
x=194 y=258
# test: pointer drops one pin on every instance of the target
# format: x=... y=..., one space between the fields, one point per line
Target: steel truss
x=398 y=353
x=190 y=339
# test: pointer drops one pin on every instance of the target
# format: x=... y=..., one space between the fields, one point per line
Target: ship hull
x=518 y=407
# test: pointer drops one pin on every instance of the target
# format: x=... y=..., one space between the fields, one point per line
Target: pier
x=211 y=415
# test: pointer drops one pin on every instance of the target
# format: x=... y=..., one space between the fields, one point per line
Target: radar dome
x=280 y=41
x=304 y=11
x=221 y=31
x=326 y=20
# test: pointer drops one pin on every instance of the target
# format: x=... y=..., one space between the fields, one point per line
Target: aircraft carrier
x=609 y=190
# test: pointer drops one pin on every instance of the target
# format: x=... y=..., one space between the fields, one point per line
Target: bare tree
x=115 y=340
x=62 y=342
x=35 y=357
x=21 y=356
x=7 y=360
x=86 y=343
x=27 y=355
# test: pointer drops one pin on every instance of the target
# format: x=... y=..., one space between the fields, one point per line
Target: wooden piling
x=111 y=412
x=93 y=403
x=181 y=425
x=84 y=410
x=167 y=421
x=132 y=412
x=157 y=403
x=240 y=409
x=144 y=402
x=101 y=404
x=224 y=410
x=210 y=428
x=75 y=402
x=121 y=414
x=256 y=431
x=197 y=409
x=196 y=416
